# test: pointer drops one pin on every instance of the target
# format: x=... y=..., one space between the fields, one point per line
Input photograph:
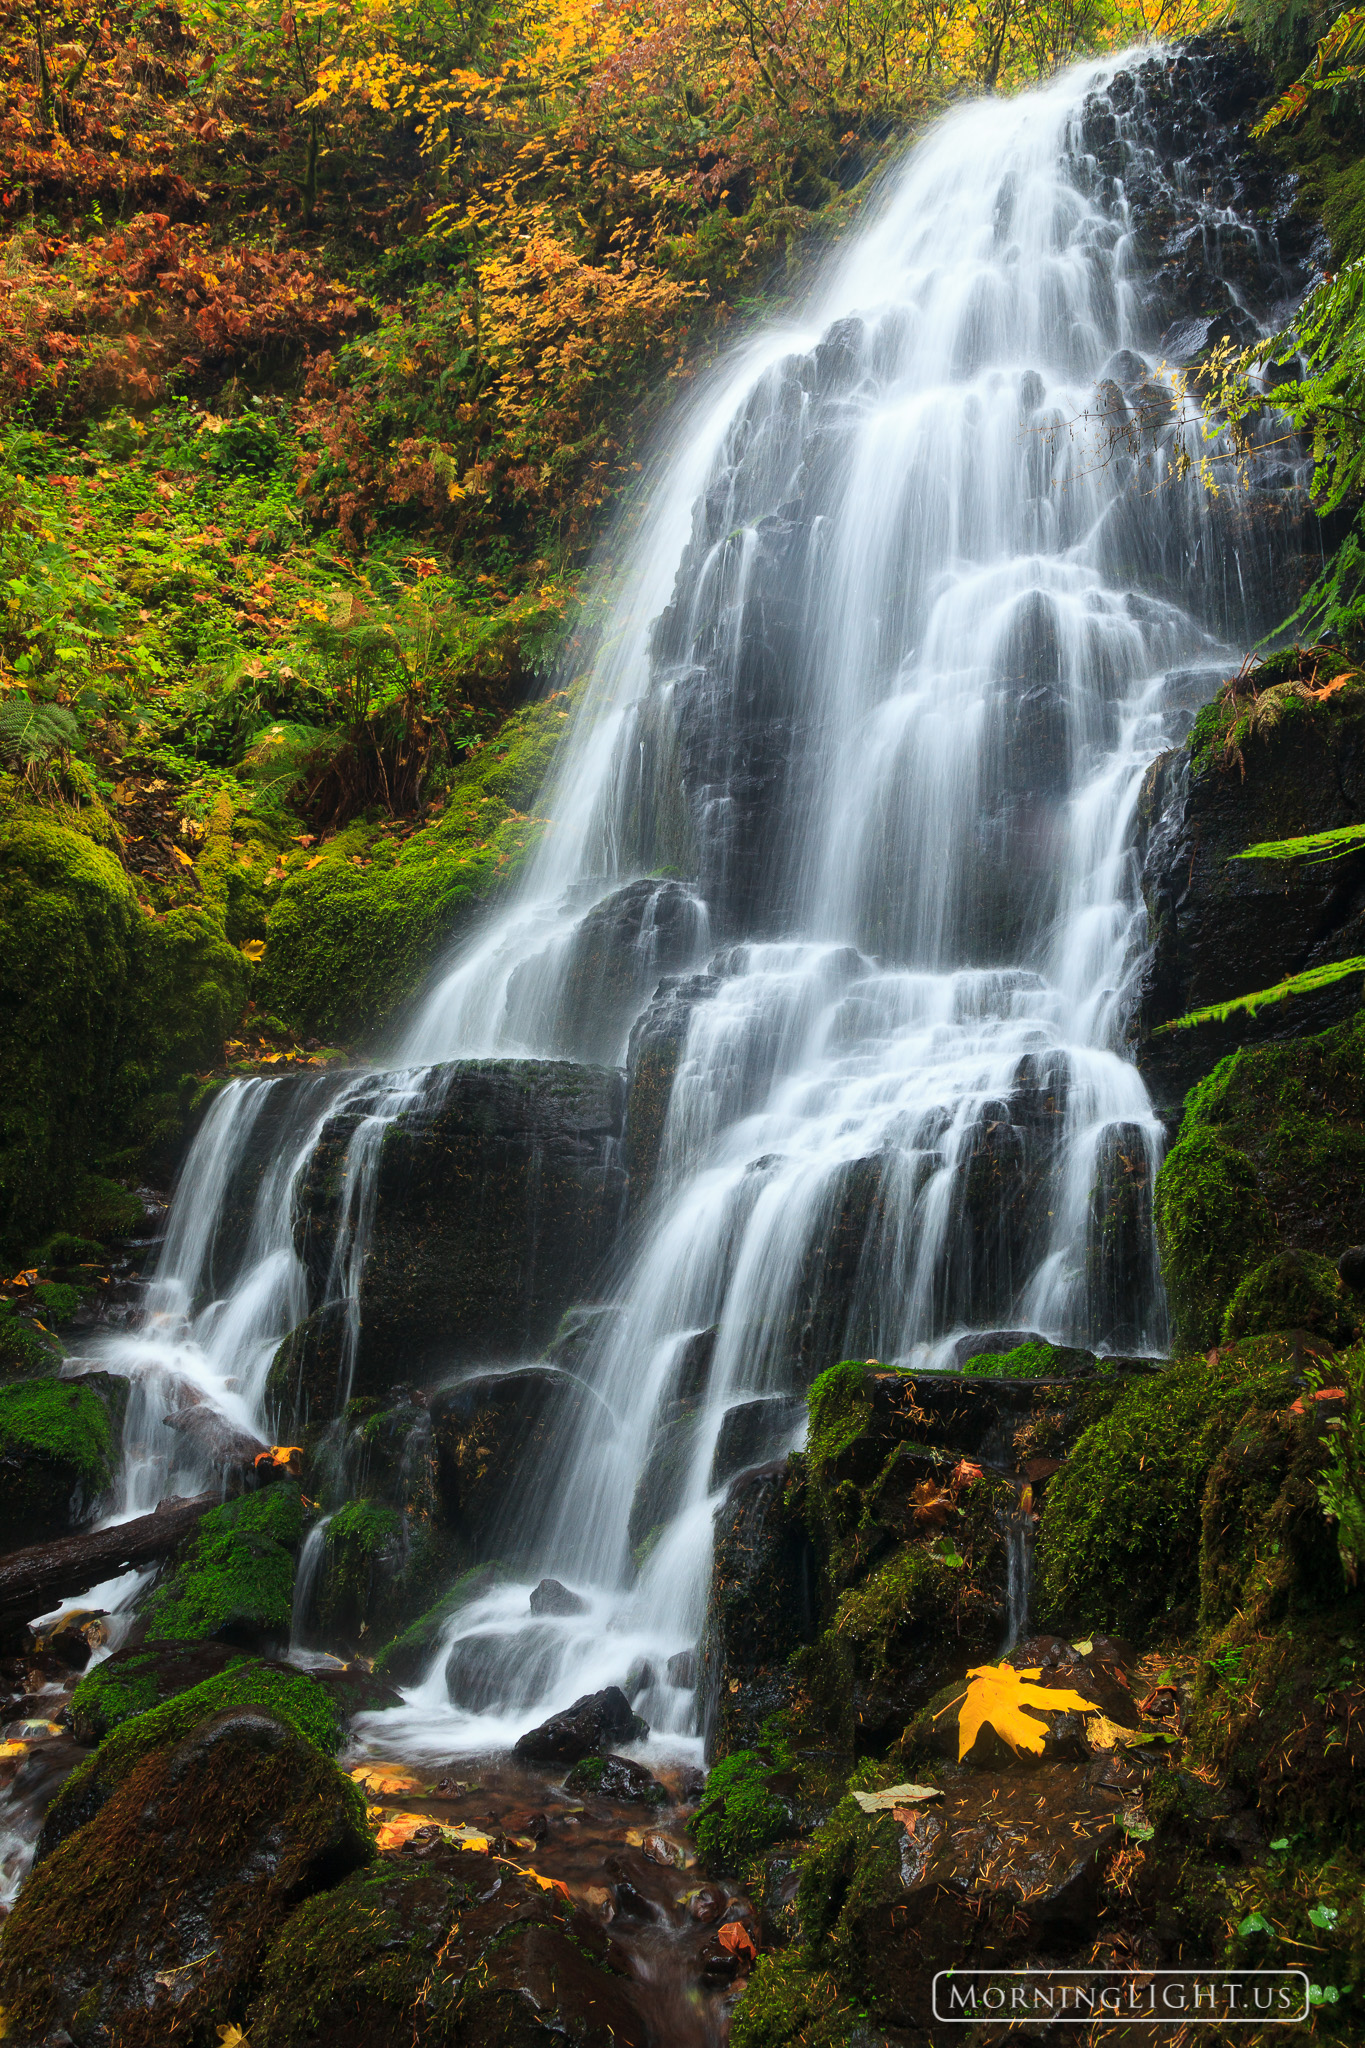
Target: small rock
x=1351 y=1266
x=682 y=1669
x=639 y=1678
x=550 y=1597
x=589 y=1726
x=616 y=1777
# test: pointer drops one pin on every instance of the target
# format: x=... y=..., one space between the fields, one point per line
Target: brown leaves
x=930 y=1505
x=736 y=1939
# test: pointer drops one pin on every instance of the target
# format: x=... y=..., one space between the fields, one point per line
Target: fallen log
x=35 y=1580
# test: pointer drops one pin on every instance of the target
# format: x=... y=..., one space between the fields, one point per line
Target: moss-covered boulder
x=353 y=933
x=156 y=1916
x=235 y=1579
x=104 y=1008
x=448 y=1950
x=290 y=1695
x=134 y=1680
x=381 y=1566
x=762 y=1606
x=741 y=1811
x=1118 y=1546
x=1293 y=1291
x=25 y=1352
x=1270 y=1158
x=59 y=1448
x=410 y=1653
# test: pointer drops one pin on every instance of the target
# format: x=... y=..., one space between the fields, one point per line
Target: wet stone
x=586 y=1728
x=616 y=1777
x=550 y=1597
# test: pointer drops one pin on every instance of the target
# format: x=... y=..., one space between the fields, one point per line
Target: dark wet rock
x=590 y=1726
x=490 y=1428
x=157 y=1914
x=549 y=1597
x=457 y=1950
x=616 y=955
x=497 y=1198
x=992 y=1342
x=1002 y=1867
x=581 y=1329
x=1351 y=1266
x=75 y=1638
x=406 y=1658
x=662 y=1485
x=762 y=1606
x=682 y=1668
x=1221 y=927
x=656 y=1045
x=752 y=1432
x=495 y=1670
x=639 y=1679
x=616 y=1777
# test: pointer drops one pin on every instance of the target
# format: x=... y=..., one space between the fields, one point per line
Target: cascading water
x=892 y=652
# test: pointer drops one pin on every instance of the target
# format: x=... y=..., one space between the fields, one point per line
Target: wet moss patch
x=58 y=1448
x=237 y=1576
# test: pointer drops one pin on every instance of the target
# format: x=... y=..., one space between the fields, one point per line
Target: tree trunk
x=36 y=1580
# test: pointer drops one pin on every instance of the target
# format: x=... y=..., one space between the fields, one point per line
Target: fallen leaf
x=896 y=1795
x=997 y=1696
x=547 y=1884
x=930 y=1504
x=13 y=1749
x=185 y=860
x=1102 y=1733
x=253 y=950
x=385 y=1778
x=281 y=1456
x=965 y=1473
x=398 y=1828
x=736 y=1939
x=232 y=2037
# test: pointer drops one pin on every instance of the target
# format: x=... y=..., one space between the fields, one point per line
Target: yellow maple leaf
x=997 y=1696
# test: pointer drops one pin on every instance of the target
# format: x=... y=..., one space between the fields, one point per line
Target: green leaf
x=1325 y=1917
x=1255 y=1923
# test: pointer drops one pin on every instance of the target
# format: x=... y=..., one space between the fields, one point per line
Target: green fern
x=1333 y=845
x=34 y=736
x=1293 y=985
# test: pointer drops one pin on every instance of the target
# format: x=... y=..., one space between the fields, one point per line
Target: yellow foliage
x=998 y=1696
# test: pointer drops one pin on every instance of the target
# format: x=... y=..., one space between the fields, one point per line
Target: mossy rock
x=1118 y=1546
x=134 y=1680
x=787 y=2000
x=59 y=1443
x=740 y=1812
x=1030 y=1362
x=235 y=1579
x=1292 y=1291
x=350 y=940
x=25 y=1353
x=1267 y=1550
x=157 y=1914
x=456 y=1950
x=291 y=1696
x=104 y=1007
x=404 y=1660
x=379 y=1568
x=1270 y=1158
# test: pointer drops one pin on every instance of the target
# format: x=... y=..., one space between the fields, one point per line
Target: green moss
x=25 y=1353
x=1331 y=845
x=853 y=1863
x=1213 y=1222
x=350 y=940
x=787 y=2001
x=911 y=1590
x=1271 y=1156
x=1119 y=1543
x=1292 y=1291
x=291 y=1695
x=238 y=1572
x=58 y=1449
x=404 y=1659
x=1027 y=1362
x=57 y=1302
x=739 y=1814
x=99 y=1207
x=109 y=1695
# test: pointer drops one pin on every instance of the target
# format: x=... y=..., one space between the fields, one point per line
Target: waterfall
x=906 y=619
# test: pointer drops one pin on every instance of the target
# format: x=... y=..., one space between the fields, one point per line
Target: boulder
x=656 y=1045
x=761 y=1608
x=586 y=1728
x=59 y=1447
x=157 y=1915
x=752 y=1433
x=601 y=975
x=497 y=1199
x=449 y=1948
x=549 y=1597
x=616 y=1777
x=490 y=1428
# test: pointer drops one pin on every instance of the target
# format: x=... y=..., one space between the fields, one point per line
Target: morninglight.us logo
x=1159 y=1998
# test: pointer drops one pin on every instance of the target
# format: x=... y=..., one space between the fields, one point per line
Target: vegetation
x=739 y=1813
x=237 y=1576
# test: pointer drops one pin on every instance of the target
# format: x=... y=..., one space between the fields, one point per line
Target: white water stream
x=893 y=647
